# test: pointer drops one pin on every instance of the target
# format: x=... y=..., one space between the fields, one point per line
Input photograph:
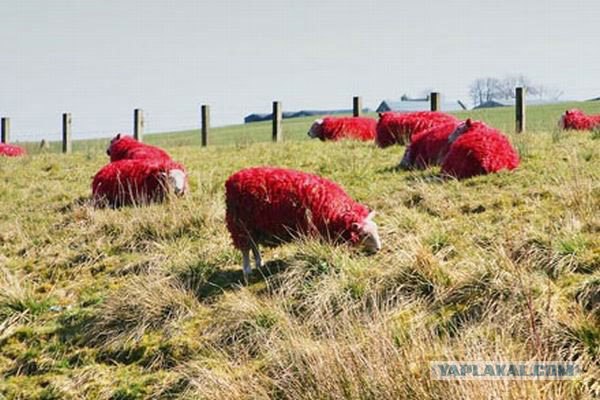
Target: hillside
x=539 y=118
x=147 y=302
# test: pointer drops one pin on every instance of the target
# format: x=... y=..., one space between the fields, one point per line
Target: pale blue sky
x=101 y=59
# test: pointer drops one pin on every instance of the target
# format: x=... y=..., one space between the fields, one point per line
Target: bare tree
x=485 y=89
x=510 y=82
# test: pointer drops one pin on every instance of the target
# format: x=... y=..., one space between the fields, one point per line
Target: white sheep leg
x=246 y=264
x=256 y=253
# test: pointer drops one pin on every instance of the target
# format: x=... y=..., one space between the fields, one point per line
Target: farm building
x=416 y=105
x=491 y=104
x=297 y=114
x=511 y=103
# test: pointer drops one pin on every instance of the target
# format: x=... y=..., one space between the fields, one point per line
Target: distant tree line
x=483 y=90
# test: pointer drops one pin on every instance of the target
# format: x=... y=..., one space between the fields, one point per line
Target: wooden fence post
x=520 y=117
x=66 y=133
x=356 y=106
x=138 y=124
x=205 y=114
x=435 y=101
x=5 y=128
x=277 y=116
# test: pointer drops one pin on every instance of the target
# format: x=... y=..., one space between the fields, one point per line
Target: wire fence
x=27 y=129
x=148 y=122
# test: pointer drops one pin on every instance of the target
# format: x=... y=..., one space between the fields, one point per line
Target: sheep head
x=315 y=130
x=368 y=233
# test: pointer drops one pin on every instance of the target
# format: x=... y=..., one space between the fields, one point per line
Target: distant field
x=146 y=302
x=539 y=118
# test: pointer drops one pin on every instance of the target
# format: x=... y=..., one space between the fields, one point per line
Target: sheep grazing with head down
x=11 y=150
x=269 y=206
x=576 y=120
x=398 y=128
x=127 y=182
x=353 y=128
x=429 y=147
x=477 y=149
x=127 y=148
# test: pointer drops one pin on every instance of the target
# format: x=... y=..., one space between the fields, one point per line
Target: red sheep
x=127 y=182
x=127 y=148
x=356 y=128
x=398 y=128
x=429 y=147
x=575 y=119
x=477 y=149
x=11 y=150
x=273 y=205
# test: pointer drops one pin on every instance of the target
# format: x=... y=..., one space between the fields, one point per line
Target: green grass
x=147 y=303
x=294 y=129
x=542 y=118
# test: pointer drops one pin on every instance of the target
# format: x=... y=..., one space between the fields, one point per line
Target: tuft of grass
x=588 y=295
x=18 y=303
x=242 y=325
x=145 y=304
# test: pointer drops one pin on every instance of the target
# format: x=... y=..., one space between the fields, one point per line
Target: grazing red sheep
x=355 y=128
x=272 y=205
x=398 y=128
x=127 y=148
x=429 y=147
x=11 y=150
x=126 y=182
x=477 y=149
x=576 y=120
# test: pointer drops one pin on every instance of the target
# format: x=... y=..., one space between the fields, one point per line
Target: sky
x=101 y=59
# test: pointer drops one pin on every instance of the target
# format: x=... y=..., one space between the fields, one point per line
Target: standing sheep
x=272 y=205
x=477 y=149
x=355 y=128
x=576 y=120
x=11 y=150
x=126 y=182
x=127 y=148
x=429 y=147
x=398 y=128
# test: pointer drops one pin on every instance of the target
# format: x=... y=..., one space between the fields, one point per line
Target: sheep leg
x=246 y=264
x=256 y=253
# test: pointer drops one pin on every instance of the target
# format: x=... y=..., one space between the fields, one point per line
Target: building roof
x=412 y=105
x=297 y=114
x=491 y=104
x=511 y=103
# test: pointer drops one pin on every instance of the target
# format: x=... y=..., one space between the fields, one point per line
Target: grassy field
x=147 y=303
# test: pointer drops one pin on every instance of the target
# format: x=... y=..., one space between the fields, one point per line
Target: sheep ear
x=355 y=225
x=380 y=114
x=118 y=136
x=371 y=215
x=468 y=123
